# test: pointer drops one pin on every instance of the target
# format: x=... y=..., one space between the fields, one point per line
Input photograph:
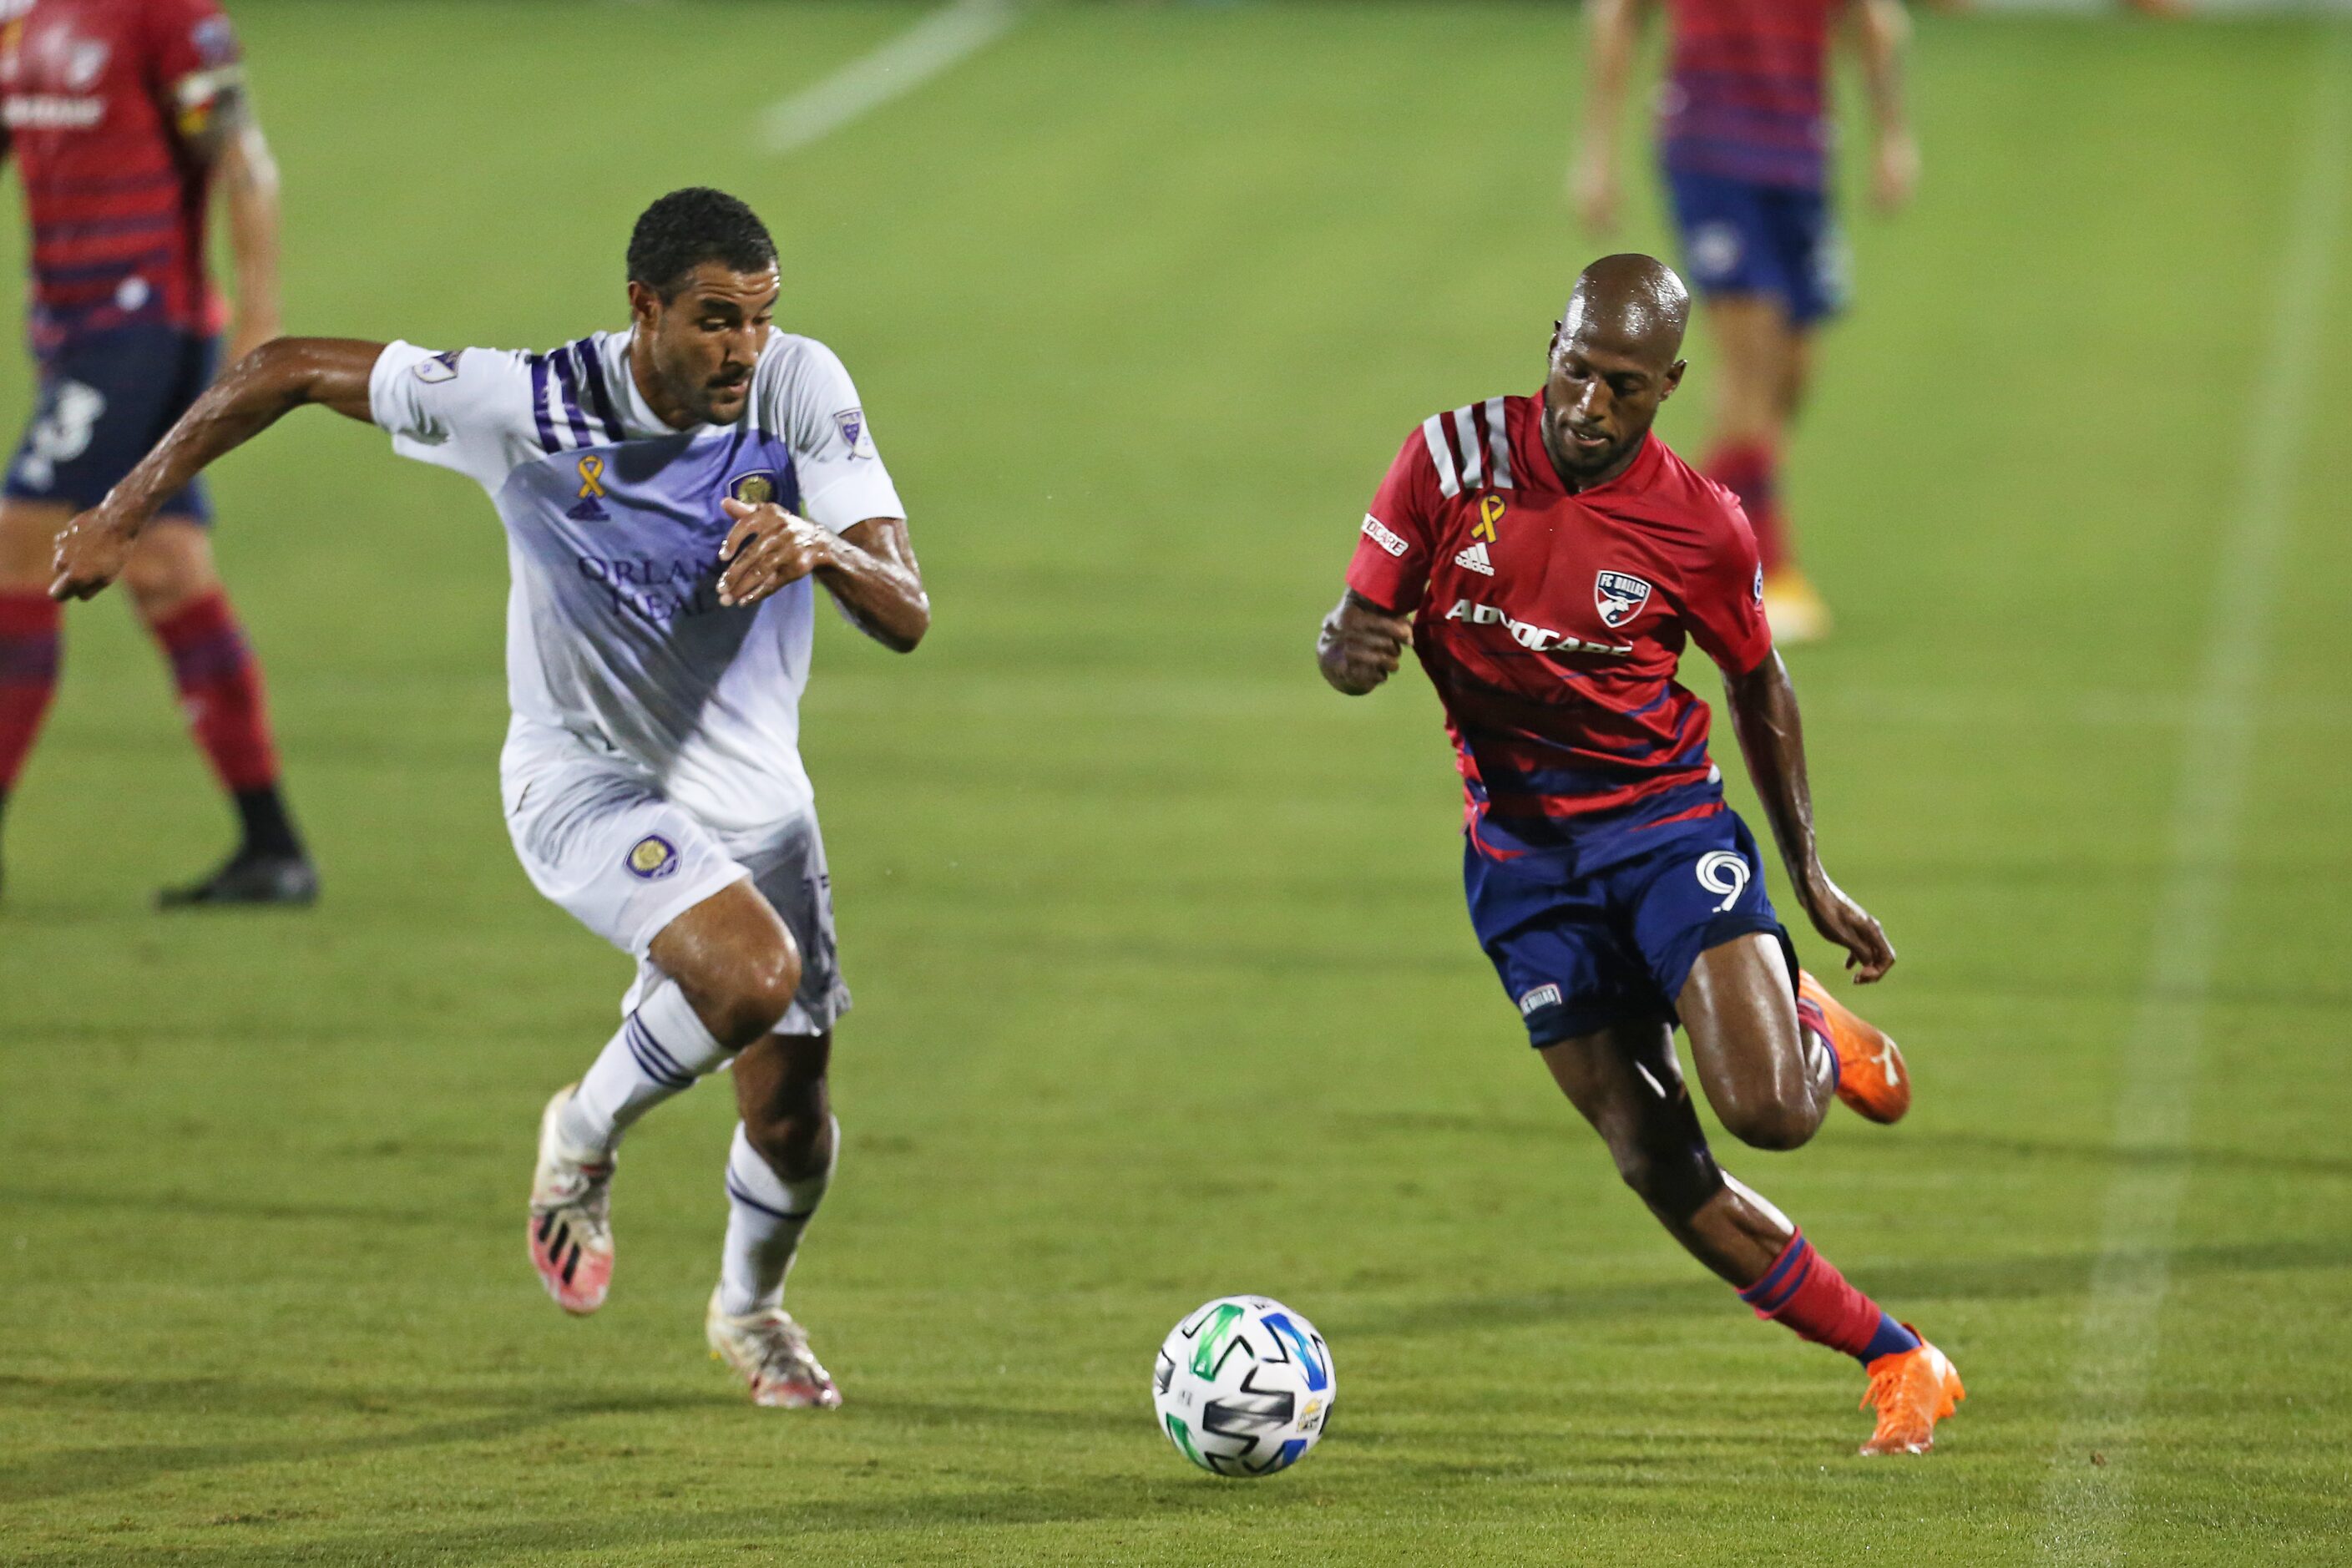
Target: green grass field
x=1164 y=985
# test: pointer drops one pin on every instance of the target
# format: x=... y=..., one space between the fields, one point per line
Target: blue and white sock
x=660 y=1050
x=765 y=1216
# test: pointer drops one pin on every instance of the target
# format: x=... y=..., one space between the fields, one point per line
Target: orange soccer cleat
x=1912 y=1391
x=1871 y=1075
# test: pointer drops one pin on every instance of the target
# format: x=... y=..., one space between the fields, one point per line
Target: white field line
x=931 y=46
x=2086 y=1506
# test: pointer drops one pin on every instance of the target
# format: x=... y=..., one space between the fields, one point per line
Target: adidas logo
x=589 y=512
x=1475 y=559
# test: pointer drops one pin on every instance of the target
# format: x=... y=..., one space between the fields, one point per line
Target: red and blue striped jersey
x=1746 y=95
x=1551 y=625
x=98 y=98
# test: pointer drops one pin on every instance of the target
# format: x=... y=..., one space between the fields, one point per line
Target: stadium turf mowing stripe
x=952 y=33
x=2086 y=1502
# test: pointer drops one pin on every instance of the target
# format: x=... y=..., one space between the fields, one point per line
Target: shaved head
x=1633 y=302
x=1616 y=355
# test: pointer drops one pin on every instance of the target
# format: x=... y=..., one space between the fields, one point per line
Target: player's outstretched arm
x=1763 y=705
x=254 y=393
x=869 y=568
x=1362 y=644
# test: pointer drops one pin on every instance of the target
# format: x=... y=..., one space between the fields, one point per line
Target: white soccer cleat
x=771 y=1353
x=571 y=1229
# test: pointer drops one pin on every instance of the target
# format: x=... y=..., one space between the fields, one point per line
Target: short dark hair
x=686 y=229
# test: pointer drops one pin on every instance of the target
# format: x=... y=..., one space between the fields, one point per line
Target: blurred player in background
x=1743 y=136
x=1547 y=558
x=671 y=495
x=122 y=116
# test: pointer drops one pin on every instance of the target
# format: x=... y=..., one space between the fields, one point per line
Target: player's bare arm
x=1613 y=29
x=1764 y=712
x=1881 y=31
x=254 y=393
x=1362 y=644
x=869 y=568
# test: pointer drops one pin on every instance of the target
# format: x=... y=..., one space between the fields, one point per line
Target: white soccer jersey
x=614 y=631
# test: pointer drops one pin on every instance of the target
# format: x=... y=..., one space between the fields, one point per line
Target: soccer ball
x=1244 y=1386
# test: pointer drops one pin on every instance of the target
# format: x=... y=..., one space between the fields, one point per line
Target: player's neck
x=1576 y=481
x=658 y=402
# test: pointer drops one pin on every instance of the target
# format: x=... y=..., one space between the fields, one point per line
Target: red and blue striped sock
x=1803 y=1292
x=29 y=644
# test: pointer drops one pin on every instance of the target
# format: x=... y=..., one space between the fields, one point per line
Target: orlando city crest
x=755 y=489
x=1619 y=596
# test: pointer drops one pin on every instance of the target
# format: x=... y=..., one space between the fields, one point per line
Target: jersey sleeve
x=468 y=409
x=811 y=402
x=1723 y=594
x=1392 y=563
x=193 y=61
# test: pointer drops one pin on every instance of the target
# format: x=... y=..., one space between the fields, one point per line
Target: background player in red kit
x=1744 y=139
x=1546 y=557
x=119 y=114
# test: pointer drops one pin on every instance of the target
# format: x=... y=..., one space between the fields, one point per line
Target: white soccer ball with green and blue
x=1244 y=1386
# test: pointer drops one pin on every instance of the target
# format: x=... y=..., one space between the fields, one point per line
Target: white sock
x=660 y=1050
x=765 y=1216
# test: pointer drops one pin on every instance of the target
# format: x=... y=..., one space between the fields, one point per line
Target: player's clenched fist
x=1362 y=644
x=91 y=551
x=767 y=548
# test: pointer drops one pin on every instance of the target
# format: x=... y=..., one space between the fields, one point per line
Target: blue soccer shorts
x=1782 y=242
x=1576 y=952
x=105 y=398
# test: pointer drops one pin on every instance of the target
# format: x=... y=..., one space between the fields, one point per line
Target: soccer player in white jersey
x=671 y=495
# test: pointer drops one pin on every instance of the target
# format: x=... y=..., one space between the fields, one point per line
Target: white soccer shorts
x=601 y=842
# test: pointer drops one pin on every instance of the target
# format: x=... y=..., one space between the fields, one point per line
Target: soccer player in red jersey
x=120 y=115
x=1743 y=136
x=1547 y=558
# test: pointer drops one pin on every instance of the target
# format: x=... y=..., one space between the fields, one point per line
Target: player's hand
x=767 y=548
x=1361 y=646
x=1592 y=191
x=1894 y=171
x=1868 y=954
x=91 y=551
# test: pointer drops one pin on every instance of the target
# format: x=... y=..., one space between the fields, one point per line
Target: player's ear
x=644 y=305
x=1674 y=378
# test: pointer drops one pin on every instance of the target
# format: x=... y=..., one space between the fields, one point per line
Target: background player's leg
x=1770 y=1081
x=1626 y=1081
x=173 y=582
x=778 y=1167
x=30 y=631
x=1765 y=363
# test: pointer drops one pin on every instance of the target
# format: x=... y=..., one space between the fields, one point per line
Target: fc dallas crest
x=1619 y=596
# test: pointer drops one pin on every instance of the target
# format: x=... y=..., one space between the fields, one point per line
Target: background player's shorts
x=599 y=840
x=105 y=398
x=1739 y=238
x=1578 y=952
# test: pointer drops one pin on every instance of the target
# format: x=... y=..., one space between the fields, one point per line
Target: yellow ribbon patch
x=1491 y=510
x=591 y=471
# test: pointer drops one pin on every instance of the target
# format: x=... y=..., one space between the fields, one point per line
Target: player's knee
x=796 y=1141
x=751 y=995
x=1766 y=1123
x=1676 y=1183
